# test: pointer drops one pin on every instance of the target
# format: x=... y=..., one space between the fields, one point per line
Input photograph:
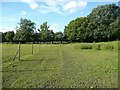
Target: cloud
x=6 y=18
x=73 y=6
x=50 y=6
x=5 y=29
x=43 y=9
x=59 y=7
x=54 y=27
x=31 y=3
x=70 y=6
x=23 y=13
x=63 y=6
x=62 y=0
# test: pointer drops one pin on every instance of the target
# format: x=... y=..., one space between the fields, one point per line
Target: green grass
x=61 y=66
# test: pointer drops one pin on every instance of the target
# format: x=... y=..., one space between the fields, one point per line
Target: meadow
x=75 y=65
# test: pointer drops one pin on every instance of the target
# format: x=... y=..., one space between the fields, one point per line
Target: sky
x=58 y=13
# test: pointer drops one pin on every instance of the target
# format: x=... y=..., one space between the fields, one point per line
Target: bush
x=98 y=47
x=86 y=46
x=109 y=47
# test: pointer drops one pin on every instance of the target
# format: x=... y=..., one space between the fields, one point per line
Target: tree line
x=102 y=24
x=26 y=32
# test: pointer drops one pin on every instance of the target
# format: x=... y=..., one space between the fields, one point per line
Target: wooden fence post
x=39 y=46
x=19 y=51
x=32 y=47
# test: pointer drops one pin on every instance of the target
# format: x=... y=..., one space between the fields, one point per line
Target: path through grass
x=60 y=66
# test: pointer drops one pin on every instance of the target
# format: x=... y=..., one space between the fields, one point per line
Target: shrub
x=98 y=47
x=86 y=46
x=109 y=47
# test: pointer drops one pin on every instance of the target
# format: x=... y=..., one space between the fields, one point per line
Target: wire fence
x=16 y=51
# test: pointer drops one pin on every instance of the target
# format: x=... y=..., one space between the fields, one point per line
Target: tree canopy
x=25 y=32
x=45 y=33
x=102 y=24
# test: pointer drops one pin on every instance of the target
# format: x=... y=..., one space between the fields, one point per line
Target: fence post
x=32 y=47
x=19 y=51
x=39 y=45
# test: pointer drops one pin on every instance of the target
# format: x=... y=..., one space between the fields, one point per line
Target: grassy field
x=79 y=65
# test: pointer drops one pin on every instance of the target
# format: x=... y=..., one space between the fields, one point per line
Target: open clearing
x=60 y=66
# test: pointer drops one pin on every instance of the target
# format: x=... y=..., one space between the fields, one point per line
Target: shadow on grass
x=39 y=70
x=31 y=60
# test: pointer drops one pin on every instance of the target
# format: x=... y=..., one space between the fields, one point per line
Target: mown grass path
x=60 y=66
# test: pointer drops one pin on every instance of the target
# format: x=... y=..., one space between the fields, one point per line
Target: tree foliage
x=100 y=25
x=25 y=32
x=58 y=36
x=45 y=33
x=9 y=36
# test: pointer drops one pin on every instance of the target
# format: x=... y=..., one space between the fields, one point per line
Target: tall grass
x=97 y=46
x=79 y=65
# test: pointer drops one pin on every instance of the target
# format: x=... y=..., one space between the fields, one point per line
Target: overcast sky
x=58 y=13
